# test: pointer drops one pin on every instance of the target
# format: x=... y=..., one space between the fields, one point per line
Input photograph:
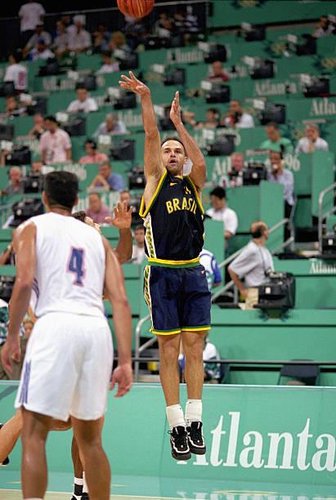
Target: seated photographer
x=217 y=73
x=311 y=141
x=252 y=265
x=84 y=103
x=111 y=126
x=107 y=180
x=15 y=185
x=211 y=119
x=38 y=128
x=237 y=118
x=92 y=155
x=234 y=178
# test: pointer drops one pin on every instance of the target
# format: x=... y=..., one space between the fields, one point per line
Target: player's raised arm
x=116 y=294
x=198 y=173
x=153 y=163
x=122 y=220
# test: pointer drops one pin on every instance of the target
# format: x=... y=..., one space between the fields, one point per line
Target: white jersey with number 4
x=70 y=266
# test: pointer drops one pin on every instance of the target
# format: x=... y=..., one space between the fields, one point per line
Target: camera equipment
x=319 y=87
x=33 y=183
x=329 y=246
x=215 y=52
x=50 y=68
x=7 y=89
x=136 y=178
x=89 y=82
x=124 y=150
x=308 y=46
x=6 y=287
x=254 y=174
x=278 y=292
x=6 y=132
x=23 y=210
x=273 y=113
x=39 y=105
x=253 y=33
x=20 y=155
x=126 y=101
x=218 y=93
x=262 y=69
x=127 y=60
x=175 y=76
x=76 y=126
x=223 y=146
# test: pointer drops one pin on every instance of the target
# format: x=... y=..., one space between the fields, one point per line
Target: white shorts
x=67 y=367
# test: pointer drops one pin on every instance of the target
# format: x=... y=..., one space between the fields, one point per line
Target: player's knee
x=169 y=351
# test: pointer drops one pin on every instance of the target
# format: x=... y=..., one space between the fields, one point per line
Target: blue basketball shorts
x=178 y=299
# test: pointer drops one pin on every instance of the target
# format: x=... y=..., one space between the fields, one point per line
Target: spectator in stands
x=13 y=107
x=101 y=38
x=118 y=42
x=109 y=65
x=92 y=155
x=111 y=126
x=97 y=210
x=275 y=140
x=16 y=72
x=61 y=41
x=324 y=27
x=221 y=212
x=39 y=35
x=212 y=271
x=84 y=103
x=283 y=176
x=106 y=179
x=30 y=14
x=237 y=118
x=38 y=128
x=41 y=51
x=36 y=167
x=55 y=143
x=311 y=141
x=15 y=185
x=252 y=264
x=211 y=119
x=138 y=251
x=125 y=196
x=217 y=73
x=79 y=39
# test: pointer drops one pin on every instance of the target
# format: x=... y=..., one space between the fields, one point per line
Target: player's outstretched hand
x=132 y=84
x=123 y=377
x=175 y=110
x=122 y=216
x=10 y=352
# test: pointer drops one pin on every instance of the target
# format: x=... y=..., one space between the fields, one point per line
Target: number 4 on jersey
x=76 y=265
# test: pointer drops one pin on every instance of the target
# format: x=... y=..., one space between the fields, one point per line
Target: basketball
x=135 y=8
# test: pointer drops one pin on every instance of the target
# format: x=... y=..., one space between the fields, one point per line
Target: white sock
x=175 y=416
x=85 y=486
x=193 y=412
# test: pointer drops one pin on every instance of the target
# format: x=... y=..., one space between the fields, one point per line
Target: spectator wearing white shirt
x=41 y=52
x=252 y=265
x=237 y=118
x=16 y=72
x=84 y=103
x=30 y=14
x=221 y=212
x=109 y=64
x=212 y=271
x=61 y=42
x=55 y=143
x=311 y=141
x=79 y=38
